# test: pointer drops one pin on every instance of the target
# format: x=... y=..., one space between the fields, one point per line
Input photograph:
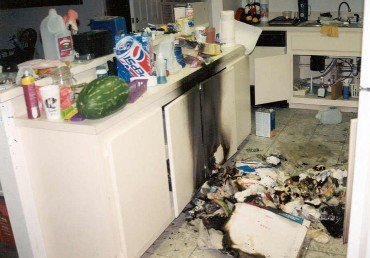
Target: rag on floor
x=330 y=30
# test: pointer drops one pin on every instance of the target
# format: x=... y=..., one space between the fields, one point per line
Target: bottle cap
x=27 y=79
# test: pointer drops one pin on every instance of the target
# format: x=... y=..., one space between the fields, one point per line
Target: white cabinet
x=102 y=195
x=275 y=75
x=185 y=146
x=101 y=187
x=242 y=98
x=137 y=161
x=215 y=112
x=273 y=78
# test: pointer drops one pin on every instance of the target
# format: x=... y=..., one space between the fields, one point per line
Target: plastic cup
x=51 y=101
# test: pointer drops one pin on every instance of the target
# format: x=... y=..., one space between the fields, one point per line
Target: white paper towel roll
x=227 y=15
x=227 y=28
x=227 y=33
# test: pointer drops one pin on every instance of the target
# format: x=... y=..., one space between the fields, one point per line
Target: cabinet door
x=139 y=14
x=351 y=169
x=154 y=12
x=185 y=149
x=137 y=158
x=260 y=52
x=219 y=116
x=242 y=98
x=273 y=78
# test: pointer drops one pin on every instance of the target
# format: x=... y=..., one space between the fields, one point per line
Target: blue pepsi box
x=115 y=24
x=133 y=53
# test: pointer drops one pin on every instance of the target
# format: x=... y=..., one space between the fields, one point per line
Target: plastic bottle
x=101 y=71
x=161 y=69
x=264 y=11
x=29 y=90
x=56 y=38
x=189 y=11
x=346 y=90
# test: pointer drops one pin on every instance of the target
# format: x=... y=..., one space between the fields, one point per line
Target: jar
x=62 y=76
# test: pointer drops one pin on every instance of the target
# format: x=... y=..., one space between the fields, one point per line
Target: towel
x=330 y=30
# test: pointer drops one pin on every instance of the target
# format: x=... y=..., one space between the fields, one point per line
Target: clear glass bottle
x=62 y=76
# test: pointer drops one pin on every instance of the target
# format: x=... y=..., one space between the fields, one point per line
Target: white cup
x=51 y=101
x=200 y=34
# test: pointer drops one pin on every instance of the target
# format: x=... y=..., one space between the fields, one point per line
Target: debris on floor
x=316 y=195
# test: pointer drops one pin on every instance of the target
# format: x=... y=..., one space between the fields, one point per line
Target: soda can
x=133 y=56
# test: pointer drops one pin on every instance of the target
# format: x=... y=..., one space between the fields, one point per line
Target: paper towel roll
x=227 y=28
x=227 y=15
x=227 y=32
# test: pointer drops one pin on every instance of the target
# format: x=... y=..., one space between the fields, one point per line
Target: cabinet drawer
x=348 y=43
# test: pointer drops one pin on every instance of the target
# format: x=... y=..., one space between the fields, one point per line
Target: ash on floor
x=306 y=143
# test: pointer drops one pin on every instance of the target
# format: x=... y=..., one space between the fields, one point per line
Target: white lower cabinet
x=185 y=146
x=214 y=113
x=102 y=194
x=137 y=161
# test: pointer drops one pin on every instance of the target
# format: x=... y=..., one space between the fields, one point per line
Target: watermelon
x=102 y=97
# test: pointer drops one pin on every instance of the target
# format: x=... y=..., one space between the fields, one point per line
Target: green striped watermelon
x=102 y=97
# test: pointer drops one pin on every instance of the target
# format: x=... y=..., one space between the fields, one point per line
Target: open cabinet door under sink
x=273 y=79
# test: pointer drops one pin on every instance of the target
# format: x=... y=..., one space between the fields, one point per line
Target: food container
x=137 y=88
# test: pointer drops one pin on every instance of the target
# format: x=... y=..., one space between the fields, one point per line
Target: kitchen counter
x=307 y=29
x=76 y=69
x=174 y=86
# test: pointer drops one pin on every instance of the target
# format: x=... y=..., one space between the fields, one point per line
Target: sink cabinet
x=274 y=75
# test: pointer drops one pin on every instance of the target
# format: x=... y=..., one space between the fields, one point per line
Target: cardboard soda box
x=133 y=53
x=265 y=122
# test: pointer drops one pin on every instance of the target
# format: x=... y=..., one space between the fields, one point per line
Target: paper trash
x=246 y=35
x=258 y=231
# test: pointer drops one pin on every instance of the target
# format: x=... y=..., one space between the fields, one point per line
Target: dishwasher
x=270 y=43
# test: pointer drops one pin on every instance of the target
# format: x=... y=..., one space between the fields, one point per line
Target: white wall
x=231 y=4
x=13 y=19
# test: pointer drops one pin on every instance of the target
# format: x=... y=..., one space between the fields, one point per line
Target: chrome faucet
x=340 y=5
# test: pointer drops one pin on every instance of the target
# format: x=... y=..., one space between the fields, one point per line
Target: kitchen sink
x=339 y=23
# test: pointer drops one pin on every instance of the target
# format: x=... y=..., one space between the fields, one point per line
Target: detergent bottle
x=56 y=38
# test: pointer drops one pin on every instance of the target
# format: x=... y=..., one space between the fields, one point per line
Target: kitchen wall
x=11 y=20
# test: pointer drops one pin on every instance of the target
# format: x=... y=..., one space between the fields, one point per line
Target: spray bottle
x=29 y=90
x=161 y=69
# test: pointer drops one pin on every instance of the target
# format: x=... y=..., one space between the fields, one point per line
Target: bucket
x=56 y=39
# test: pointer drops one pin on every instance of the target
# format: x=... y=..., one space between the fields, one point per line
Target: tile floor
x=305 y=143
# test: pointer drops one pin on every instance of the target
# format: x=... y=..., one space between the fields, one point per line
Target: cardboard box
x=265 y=122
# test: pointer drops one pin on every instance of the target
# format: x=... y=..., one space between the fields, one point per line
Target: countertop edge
x=156 y=93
